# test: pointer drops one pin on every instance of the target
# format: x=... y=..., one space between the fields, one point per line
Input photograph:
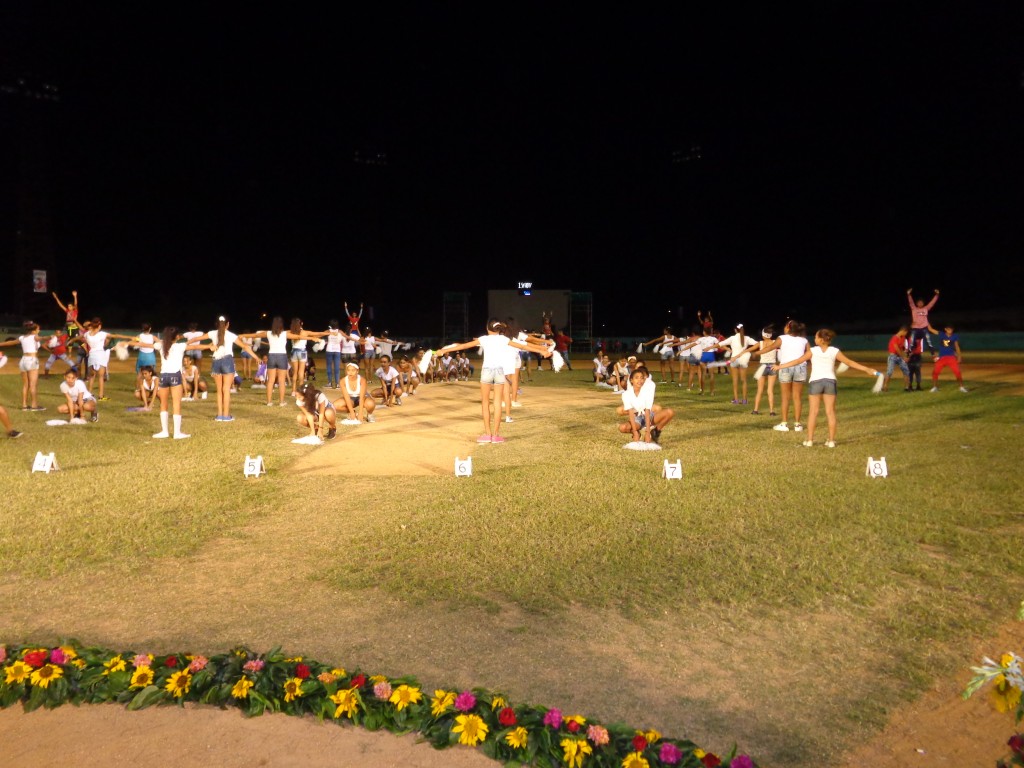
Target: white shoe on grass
x=782 y=427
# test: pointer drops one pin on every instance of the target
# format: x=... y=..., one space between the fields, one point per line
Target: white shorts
x=28 y=363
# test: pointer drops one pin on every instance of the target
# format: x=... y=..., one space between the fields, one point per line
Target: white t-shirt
x=737 y=343
x=277 y=344
x=189 y=335
x=96 y=341
x=638 y=401
x=389 y=376
x=495 y=348
x=334 y=341
x=172 y=363
x=348 y=344
x=146 y=342
x=225 y=350
x=29 y=344
x=369 y=342
x=78 y=389
x=823 y=363
x=791 y=347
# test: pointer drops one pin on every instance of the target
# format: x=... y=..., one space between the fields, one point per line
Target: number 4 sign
x=877 y=467
x=45 y=463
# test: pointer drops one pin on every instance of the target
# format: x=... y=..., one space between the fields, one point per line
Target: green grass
x=737 y=581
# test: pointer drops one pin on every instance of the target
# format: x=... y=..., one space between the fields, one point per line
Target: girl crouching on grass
x=353 y=394
x=821 y=383
x=638 y=407
x=316 y=412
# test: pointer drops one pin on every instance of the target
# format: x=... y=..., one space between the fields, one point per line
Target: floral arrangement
x=257 y=683
x=1007 y=678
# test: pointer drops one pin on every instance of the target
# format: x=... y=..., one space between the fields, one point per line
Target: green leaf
x=145 y=698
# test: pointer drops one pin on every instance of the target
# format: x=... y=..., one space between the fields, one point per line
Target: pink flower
x=669 y=753
x=598 y=735
x=142 y=660
x=382 y=690
x=465 y=701
x=57 y=656
x=3 y=653
x=553 y=717
x=198 y=663
x=254 y=665
x=742 y=761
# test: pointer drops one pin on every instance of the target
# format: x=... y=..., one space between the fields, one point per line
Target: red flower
x=711 y=760
x=573 y=726
x=358 y=681
x=639 y=742
x=36 y=658
x=301 y=671
x=171 y=661
x=1016 y=743
x=507 y=716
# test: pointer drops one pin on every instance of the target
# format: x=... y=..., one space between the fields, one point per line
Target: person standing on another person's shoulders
x=919 y=318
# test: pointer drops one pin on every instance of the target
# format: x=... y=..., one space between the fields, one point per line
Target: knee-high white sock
x=163 y=421
x=177 y=423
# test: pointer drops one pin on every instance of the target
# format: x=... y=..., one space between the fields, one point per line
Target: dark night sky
x=204 y=161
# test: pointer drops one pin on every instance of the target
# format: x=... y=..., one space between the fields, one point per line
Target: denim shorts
x=492 y=375
x=28 y=363
x=299 y=354
x=170 y=380
x=822 y=387
x=224 y=365
x=796 y=373
x=277 y=361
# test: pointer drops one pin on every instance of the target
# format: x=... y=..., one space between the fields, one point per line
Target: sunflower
x=17 y=672
x=471 y=729
x=45 y=675
x=405 y=695
x=141 y=677
x=292 y=688
x=241 y=688
x=574 y=750
x=517 y=737
x=179 y=683
x=347 y=701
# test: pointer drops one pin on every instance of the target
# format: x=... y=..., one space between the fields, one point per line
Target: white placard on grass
x=464 y=467
x=254 y=466
x=45 y=463
x=672 y=470
x=876 y=468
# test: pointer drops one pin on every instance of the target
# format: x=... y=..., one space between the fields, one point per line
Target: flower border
x=70 y=673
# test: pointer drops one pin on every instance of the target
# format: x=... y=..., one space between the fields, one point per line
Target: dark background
x=761 y=162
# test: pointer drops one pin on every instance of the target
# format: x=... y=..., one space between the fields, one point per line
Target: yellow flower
x=178 y=684
x=338 y=672
x=80 y=663
x=699 y=753
x=574 y=751
x=1006 y=660
x=652 y=736
x=142 y=677
x=442 y=700
x=241 y=689
x=635 y=760
x=471 y=729
x=498 y=701
x=69 y=652
x=1005 y=697
x=17 y=672
x=378 y=679
x=45 y=675
x=292 y=688
x=116 y=664
x=517 y=737
x=347 y=701
x=292 y=661
x=403 y=696
x=578 y=719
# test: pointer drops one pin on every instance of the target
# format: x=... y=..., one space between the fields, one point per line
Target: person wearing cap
x=739 y=359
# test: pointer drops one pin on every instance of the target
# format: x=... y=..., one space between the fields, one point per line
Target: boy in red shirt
x=897 y=359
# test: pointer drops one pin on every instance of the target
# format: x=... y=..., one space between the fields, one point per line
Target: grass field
x=774 y=597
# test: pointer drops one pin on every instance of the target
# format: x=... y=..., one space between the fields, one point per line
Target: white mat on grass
x=308 y=440
x=642 y=446
x=62 y=422
x=350 y=422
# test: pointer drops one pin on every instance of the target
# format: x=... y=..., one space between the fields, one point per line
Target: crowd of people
x=365 y=372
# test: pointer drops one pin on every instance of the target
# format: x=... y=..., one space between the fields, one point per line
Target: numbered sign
x=877 y=467
x=254 y=466
x=45 y=463
x=672 y=471
x=464 y=467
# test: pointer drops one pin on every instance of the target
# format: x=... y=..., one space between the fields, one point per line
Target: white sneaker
x=203 y=396
x=808 y=444
x=161 y=435
x=964 y=390
x=186 y=399
x=798 y=427
x=783 y=427
x=830 y=443
x=508 y=419
x=934 y=389
x=516 y=404
x=181 y=436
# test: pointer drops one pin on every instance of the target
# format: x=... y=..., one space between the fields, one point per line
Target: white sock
x=177 y=423
x=163 y=421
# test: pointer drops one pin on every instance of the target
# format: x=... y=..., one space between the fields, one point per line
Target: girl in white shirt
x=638 y=407
x=316 y=412
x=353 y=390
x=791 y=345
x=667 y=352
x=822 y=382
x=99 y=356
x=171 y=353
x=492 y=373
x=766 y=374
x=223 y=342
x=277 y=357
x=29 y=366
x=78 y=400
x=739 y=360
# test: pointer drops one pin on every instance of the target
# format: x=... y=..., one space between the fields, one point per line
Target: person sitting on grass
x=638 y=407
x=79 y=401
x=259 y=379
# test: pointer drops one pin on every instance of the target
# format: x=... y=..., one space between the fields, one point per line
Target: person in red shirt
x=562 y=342
x=898 y=351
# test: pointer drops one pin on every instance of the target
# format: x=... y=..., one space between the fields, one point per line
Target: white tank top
x=358 y=389
x=278 y=343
